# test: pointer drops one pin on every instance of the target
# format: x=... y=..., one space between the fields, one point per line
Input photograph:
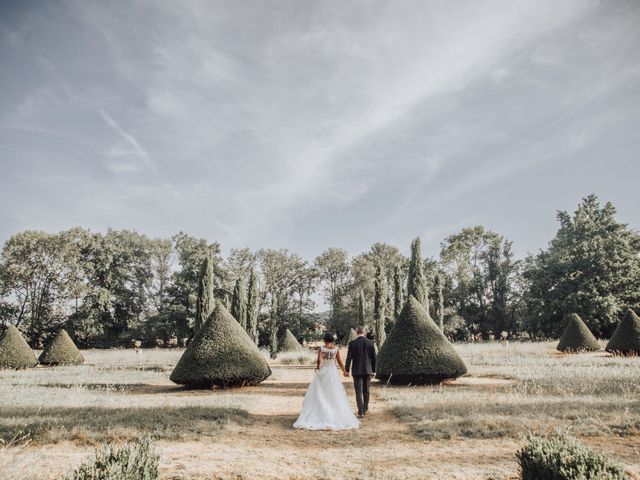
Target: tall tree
x=481 y=266
x=398 y=294
x=438 y=306
x=252 y=306
x=239 y=303
x=362 y=320
x=273 y=327
x=417 y=282
x=334 y=271
x=205 y=302
x=592 y=268
x=379 y=304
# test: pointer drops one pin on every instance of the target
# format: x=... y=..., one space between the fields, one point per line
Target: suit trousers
x=362 y=384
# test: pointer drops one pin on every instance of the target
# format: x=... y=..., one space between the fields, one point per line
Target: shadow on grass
x=95 y=424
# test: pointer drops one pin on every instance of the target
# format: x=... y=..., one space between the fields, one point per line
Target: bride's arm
x=339 y=360
x=319 y=359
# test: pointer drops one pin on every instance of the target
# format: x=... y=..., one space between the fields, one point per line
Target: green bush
x=221 y=354
x=416 y=352
x=577 y=337
x=15 y=351
x=289 y=343
x=131 y=461
x=626 y=338
x=61 y=351
x=349 y=337
x=561 y=457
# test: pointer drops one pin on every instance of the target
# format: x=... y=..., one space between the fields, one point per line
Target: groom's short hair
x=359 y=329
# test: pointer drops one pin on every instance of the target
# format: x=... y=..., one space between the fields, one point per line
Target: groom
x=362 y=353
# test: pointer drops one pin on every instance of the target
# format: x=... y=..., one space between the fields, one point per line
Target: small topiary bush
x=626 y=338
x=61 y=351
x=131 y=461
x=561 y=457
x=15 y=351
x=577 y=337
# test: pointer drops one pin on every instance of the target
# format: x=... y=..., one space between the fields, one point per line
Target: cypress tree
x=439 y=303
x=361 y=305
x=221 y=354
x=61 y=351
x=626 y=338
x=15 y=351
x=239 y=303
x=577 y=337
x=206 y=301
x=273 y=327
x=252 y=307
x=417 y=282
x=398 y=295
x=379 y=298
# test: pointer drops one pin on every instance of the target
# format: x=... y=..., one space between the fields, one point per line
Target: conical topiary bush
x=416 y=352
x=289 y=343
x=221 y=354
x=61 y=351
x=15 y=351
x=577 y=337
x=350 y=336
x=626 y=338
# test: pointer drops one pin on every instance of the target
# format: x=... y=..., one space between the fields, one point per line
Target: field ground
x=468 y=429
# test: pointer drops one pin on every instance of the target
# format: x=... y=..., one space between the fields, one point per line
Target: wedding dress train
x=326 y=406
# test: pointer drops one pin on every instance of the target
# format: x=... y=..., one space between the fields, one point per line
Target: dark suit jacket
x=362 y=353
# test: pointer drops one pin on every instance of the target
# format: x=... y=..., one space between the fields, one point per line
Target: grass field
x=51 y=417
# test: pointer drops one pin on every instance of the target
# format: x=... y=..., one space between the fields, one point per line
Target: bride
x=326 y=406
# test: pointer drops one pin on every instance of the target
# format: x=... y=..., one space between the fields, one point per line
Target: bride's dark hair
x=328 y=337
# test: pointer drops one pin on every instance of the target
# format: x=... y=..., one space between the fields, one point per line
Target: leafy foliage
x=61 y=351
x=221 y=354
x=14 y=350
x=131 y=461
x=416 y=351
x=205 y=302
x=379 y=306
x=289 y=343
x=417 y=282
x=591 y=267
x=576 y=336
x=564 y=458
x=239 y=303
x=626 y=338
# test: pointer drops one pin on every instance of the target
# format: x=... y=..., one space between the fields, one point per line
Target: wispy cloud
x=136 y=148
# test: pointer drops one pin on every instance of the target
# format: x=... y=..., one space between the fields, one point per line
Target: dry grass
x=588 y=394
x=466 y=430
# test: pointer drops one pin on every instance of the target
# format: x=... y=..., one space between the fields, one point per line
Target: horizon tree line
x=110 y=288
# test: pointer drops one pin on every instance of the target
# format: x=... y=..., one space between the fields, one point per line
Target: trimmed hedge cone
x=349 y=337
x=577 y=337
x=61 y=351
x=416 y=352
x=289 y=343
x=221 y=354
x=626 y=338
x=15 y=351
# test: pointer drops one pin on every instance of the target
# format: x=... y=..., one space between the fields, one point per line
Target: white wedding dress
x=326 y=406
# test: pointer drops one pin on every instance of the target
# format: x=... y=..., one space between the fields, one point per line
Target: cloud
x=136 y=148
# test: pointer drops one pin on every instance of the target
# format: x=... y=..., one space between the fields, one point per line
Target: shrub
x=289 y=343
x=416 y=351
x=577 y=337
x=131 y=461
x=626 y=338
x=560 y=457
x=221 y=354
x=61 y=351
x=350 y=336
x=15 y=351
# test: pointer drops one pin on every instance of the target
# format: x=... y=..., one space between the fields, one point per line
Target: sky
x=307 y=125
